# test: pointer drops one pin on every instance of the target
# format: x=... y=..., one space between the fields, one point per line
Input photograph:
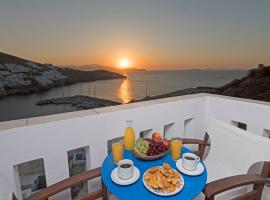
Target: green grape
x=141 y=146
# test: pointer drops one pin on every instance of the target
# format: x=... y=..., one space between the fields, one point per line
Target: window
x=31 y=176
x=188 y=127
x=77 y=163
x=266 y=133
x=168 y=131
x=109 y=143
x=145 y=133
x=80 y=157
x=240 y=125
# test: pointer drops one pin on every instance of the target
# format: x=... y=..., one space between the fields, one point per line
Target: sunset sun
x=124 y=63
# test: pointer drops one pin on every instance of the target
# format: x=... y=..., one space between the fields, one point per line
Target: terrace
x=50 y=138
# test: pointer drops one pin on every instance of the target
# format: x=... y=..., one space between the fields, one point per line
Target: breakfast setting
x=153 y=168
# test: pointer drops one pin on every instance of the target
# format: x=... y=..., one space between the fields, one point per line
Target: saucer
x=197 y=172
x=119 y=181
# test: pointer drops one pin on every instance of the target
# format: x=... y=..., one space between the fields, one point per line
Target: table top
x=192 y=188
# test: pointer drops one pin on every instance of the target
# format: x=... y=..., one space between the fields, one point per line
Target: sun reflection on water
x=125 y=92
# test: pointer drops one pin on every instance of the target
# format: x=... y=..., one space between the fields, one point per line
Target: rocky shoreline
x=256 y=85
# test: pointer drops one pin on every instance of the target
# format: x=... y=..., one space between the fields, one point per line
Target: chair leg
x=201 y=151
x=104 y=191
x=259 y=189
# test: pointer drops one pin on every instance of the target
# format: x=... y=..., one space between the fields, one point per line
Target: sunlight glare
x=125 y=92
x=124 y=63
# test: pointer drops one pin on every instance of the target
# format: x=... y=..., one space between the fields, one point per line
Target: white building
x=15 y=68
x=48 y=77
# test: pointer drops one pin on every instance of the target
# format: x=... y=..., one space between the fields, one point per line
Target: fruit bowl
x=151 y=157
x=151 y=148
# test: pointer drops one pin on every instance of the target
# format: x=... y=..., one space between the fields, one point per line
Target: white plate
x=158 y=192
x=197 y=172
x=119 y=181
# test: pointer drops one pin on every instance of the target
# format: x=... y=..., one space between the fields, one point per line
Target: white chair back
x=232 y=152
x=234 y=149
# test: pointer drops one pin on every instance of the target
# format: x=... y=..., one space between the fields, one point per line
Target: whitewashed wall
x=52 y=140
x=253 y=113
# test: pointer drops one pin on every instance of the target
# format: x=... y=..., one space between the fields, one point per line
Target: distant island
x=21 y=76
x=93 y=67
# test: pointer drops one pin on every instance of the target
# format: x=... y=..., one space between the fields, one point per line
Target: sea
x=137 y=85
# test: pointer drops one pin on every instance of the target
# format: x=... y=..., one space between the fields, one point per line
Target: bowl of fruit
x=151 y=148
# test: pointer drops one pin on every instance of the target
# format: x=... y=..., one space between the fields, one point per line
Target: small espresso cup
x=190 y=161
x=125 y=169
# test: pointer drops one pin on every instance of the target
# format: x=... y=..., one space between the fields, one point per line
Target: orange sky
x=152 y=34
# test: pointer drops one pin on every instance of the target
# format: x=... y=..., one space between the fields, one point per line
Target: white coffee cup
x=125 y=169
x=190 y=161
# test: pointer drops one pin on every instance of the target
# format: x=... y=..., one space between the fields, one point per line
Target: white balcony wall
x=255 y=114
x=50 y=137
x=52 y=140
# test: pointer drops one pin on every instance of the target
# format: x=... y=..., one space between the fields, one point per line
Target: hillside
x=6 y=58
x=20 y=76
x=256 y=85
x=75 y=76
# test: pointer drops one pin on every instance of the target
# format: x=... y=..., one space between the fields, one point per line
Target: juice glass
x=117 y=151
x=176 y=146
x=129 y=136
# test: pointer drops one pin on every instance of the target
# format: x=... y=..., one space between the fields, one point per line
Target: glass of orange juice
x=129 y=136
x=117 y=151
x=176 y=147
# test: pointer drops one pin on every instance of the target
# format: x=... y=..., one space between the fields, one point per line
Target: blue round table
x=192 y=188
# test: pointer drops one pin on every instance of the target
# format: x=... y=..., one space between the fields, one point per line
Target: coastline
x=255 y=85
x=71 y=77
x=21 y=76
x=118 y=90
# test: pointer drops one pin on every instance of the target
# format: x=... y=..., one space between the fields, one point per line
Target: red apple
x=166 y=142
x=157 y=137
